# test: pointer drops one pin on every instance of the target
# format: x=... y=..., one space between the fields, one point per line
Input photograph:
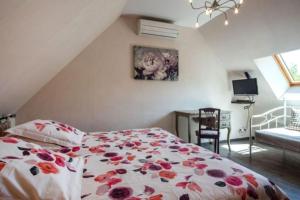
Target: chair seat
x=207 y=132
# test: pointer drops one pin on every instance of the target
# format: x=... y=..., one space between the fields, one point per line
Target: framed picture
x=155 y=63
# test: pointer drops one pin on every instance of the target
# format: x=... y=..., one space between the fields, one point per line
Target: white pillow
x=29 y=172
x=49 y=131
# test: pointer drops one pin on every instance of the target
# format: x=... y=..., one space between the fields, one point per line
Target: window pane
x=292 y=62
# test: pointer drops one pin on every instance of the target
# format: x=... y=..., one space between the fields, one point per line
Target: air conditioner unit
x=155 y=28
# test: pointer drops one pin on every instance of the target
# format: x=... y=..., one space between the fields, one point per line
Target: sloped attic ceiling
x=38 y=38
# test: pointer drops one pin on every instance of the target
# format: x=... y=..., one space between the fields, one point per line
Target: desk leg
x=189 y=129
x=176 y=124
x=228 y=138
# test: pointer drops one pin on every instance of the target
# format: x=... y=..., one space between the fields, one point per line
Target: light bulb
x=210 y=11
x=190 y=1
x=197 y=25
x=207 y=12
x=236 y=11
x=226 y=22
x=241 y=1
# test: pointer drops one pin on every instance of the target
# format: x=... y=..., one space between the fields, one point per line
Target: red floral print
x=251 y=179
x=59 y=160
x=39 y=126
x=156 y=197
x=120 y=193
x=102 y=178
x=194 y=187
x=96 y=149
x=47 y=167
x=113 y=181
x=2 y=165
x=234 y=180
x=9 y=140
x=105 y=177
x=74 y=149
x=167 y=174
x=188 y=163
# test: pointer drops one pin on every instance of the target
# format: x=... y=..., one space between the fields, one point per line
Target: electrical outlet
x=242 y=131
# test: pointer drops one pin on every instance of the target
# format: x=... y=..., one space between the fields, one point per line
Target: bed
x=279 y=137
x=153 y=164
x=272 y=128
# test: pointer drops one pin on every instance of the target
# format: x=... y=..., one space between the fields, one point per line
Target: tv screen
x=245 y=87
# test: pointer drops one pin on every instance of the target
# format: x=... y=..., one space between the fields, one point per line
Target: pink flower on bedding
x=121 y=171
x=111 y=173
x=59 y=160
x=10 y=140
x=195 y=149
x=153 y=167
x=110 y=154
x=194 y=187
x=183 y=150
x=182 y=184
x=47 y=167
x=75 y=149
x=155 y=144
x=234 y=180
x=39 y=126
x=156 y=197
x=216 y=173
x=188 y=163
x=96 y=149
x=130 y=157
x=2 y=165
x=154 y=152
x=33 y=150
x=201 y=166
x=45 y=156
x=251 y=179
x=105 y=177
x=165 y=165
x=116 y=158
x=190 y=185
x=133 y=198
x=242 y=192
x=167 y=174
x=102 y=178
x=120 y=193
x=113 y=181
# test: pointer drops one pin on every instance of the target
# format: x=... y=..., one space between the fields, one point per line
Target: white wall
x=97 y=90
x=38 y=38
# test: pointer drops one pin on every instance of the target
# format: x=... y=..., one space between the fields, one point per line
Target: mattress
x=279 y=137
x=153 y=164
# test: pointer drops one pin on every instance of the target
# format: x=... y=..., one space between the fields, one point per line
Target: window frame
x=285 y=71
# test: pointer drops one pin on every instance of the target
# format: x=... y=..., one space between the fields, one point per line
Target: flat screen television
x=245 y=87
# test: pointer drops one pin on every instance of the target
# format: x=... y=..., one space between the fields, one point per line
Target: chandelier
x=212 y=7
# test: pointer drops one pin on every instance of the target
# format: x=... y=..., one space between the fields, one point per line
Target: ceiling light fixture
x=217 y=6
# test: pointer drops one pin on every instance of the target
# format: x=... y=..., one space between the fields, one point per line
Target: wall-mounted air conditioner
x=155 y=28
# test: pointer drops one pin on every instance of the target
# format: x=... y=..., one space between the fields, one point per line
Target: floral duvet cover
x=153 y=164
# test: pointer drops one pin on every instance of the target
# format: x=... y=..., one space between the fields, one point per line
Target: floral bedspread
x=153 y=164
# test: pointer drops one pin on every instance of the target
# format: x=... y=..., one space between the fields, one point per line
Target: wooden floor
x=282 y=167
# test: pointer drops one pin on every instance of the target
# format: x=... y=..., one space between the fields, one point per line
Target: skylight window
x=289 y=63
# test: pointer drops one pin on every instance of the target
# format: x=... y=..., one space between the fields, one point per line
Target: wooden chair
x=209 y=126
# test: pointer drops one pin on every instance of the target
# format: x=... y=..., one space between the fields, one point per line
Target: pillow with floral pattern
x=27 y=171
x=295 y=120
x=49 y=131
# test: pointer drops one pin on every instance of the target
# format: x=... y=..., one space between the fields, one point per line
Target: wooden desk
x=225 y=122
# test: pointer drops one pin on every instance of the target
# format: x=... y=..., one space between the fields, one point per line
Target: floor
x=282 y=167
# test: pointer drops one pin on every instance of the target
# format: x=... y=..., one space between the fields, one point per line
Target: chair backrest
x=209 y=119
